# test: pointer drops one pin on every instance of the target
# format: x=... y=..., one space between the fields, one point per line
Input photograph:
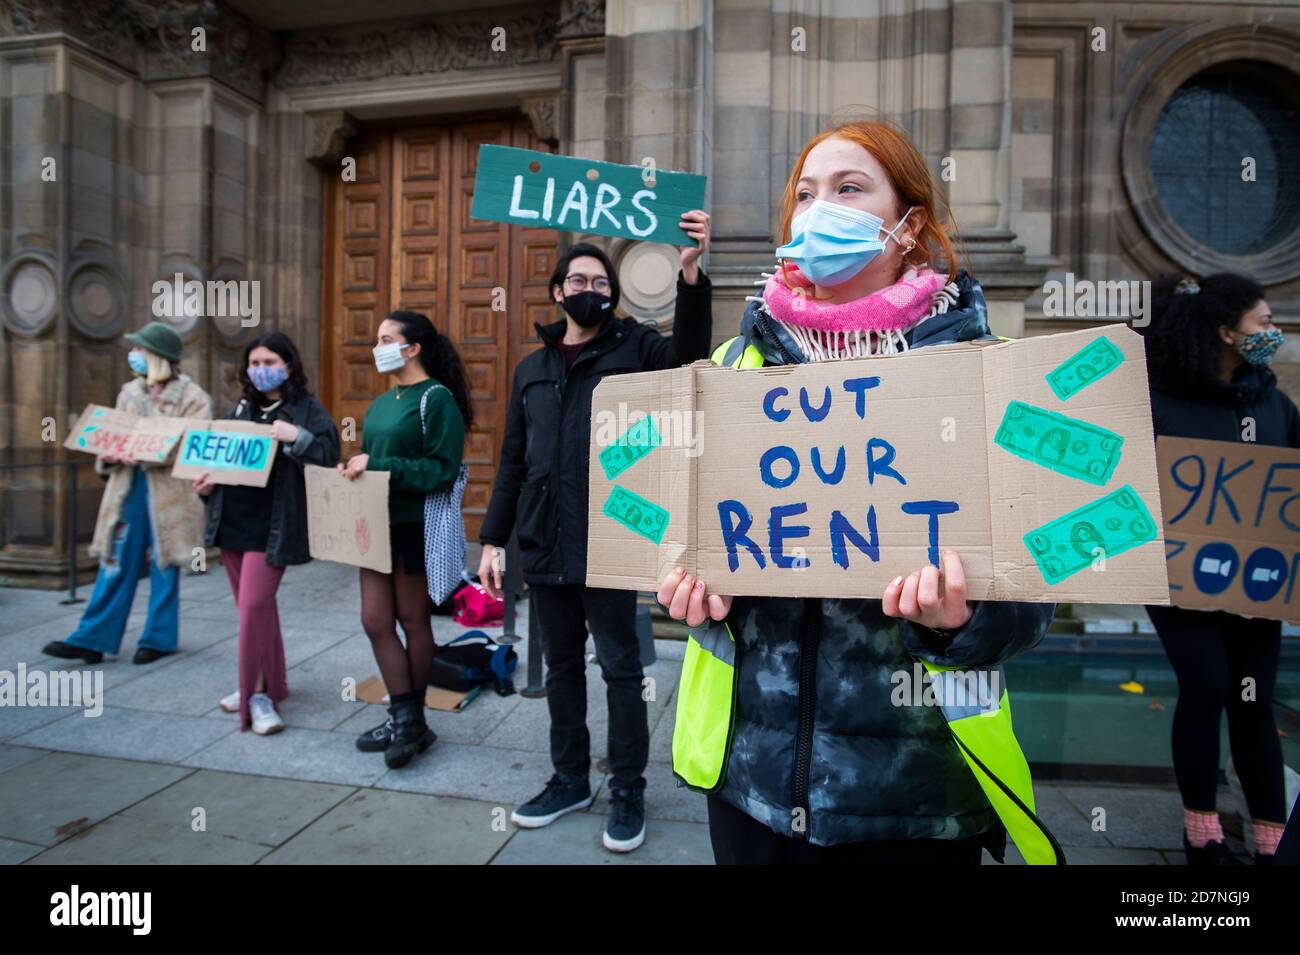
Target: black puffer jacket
x=1217 y=411
x=541 y=483
x=815 y=726
x=318 y=443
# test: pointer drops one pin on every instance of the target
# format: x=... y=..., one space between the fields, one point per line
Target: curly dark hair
x=1182 y=338
x=295 y=386
x=438 y=357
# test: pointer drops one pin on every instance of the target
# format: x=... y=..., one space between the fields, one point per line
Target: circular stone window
x=1225 y=158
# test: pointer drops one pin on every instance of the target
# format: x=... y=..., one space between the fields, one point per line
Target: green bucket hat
x=159 y=339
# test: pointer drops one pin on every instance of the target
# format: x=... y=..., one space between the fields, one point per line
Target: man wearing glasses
x=541 y=494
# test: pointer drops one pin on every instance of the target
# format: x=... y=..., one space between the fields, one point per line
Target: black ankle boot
x=411 y=734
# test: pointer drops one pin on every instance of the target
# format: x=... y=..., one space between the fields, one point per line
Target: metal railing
x=70 y=536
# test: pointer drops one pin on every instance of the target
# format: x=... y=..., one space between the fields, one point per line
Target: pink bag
x=475 y=608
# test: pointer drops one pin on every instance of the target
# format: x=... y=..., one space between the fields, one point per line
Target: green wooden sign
x=582 y=195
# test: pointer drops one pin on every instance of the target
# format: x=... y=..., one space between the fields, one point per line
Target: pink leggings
x=261 y=647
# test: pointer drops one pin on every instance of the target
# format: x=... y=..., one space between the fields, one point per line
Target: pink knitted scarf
x=894 y=308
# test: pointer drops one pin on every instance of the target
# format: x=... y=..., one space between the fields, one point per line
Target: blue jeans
x=104 y=622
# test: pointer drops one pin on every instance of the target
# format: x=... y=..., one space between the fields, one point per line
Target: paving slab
x=14 y=853
x=252 y=809
x=126 y=840
x=575 y=839
x=295 y=753
x=470 y=725
x=128 y=734
x=1136 y=817
x=60 y=794
x=500 y=776
x=14 y=756
x=392 y=828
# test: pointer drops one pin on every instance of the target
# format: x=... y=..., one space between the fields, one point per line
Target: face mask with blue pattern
x=139 y=364
x=1258 y=348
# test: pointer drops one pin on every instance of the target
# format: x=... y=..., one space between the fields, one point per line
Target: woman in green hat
x=143 y=510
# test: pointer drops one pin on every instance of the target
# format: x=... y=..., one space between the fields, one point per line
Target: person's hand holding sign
x=917 y=598
x=203 y=485
x=695 y=224
x=284 y=431
x=687 y=599
x=355 y=467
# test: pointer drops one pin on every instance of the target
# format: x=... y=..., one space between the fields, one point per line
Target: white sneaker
x=230 y=704
x=265 y=719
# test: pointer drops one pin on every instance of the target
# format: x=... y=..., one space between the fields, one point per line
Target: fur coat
x=175 y=511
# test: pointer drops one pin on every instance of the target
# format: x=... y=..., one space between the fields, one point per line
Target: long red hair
x=908 y=174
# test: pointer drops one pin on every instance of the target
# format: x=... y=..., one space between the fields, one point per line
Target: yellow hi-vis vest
x=981 y=728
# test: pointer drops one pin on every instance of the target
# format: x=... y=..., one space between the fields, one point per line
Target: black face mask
x=587 y=308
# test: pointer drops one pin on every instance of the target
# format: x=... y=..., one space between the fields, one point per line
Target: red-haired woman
x=821 y=766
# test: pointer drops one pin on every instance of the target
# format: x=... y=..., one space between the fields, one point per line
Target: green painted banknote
x=637 y=514
x=1068 y=446
x=634 y=444
x=1095 y=360
x=1104 y=528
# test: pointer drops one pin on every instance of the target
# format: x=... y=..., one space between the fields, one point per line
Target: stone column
x=980 y=148
x=130 y=152
x=658 y=106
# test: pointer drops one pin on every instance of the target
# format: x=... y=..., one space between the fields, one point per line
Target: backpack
x=473 y=659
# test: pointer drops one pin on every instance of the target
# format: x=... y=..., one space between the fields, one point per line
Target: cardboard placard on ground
x=372 y=690
x=103 y=430
x=1232 y=526
x=347 y=521
x=1033 y=459
x=229 y=452
x=545 y=191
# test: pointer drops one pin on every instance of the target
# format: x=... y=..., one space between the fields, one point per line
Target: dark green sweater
x=417 y=465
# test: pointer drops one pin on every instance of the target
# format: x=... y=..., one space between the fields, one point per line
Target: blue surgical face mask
x=831 y=242
x=267 y=377
x=139 y=364
x=1258 y=348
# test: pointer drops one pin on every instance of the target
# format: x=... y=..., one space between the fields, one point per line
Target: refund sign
x=1034 y=460
x=1232 y=526
x=229 y=452
x=546 y=191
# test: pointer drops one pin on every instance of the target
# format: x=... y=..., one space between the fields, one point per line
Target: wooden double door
x=400 y=237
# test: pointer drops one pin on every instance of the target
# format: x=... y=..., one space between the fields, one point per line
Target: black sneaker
x=148 y=655
x=67 y=651
x=1214 y=853
x=377 y=739
x=626 y=827
x=561 y=795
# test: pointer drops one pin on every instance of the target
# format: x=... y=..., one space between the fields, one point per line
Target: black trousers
x=564 y=612
x=740 y=840
x=1212 y=654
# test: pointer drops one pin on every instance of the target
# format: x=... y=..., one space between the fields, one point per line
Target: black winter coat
x=1217 y=411
x=317 y=444
x=541 y=483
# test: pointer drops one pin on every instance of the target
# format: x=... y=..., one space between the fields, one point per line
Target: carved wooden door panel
x=402 y=237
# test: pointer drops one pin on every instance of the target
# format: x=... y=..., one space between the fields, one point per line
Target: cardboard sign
x=1232 y=526
x=347 y=521
x=102 y=430
x=545 y=191
x=229 y=452
x=830 y=479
